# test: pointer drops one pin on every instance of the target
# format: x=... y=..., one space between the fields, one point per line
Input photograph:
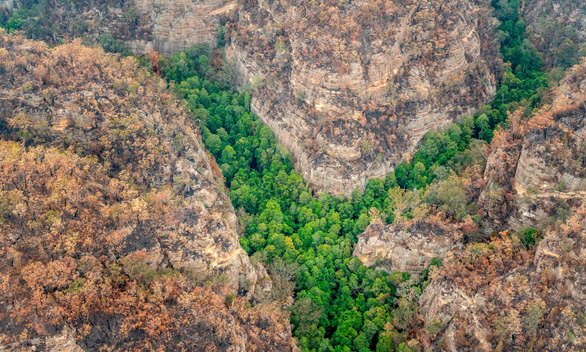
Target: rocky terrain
x=536 y=171
x=521 y=289
x=557 y=28
x=503 y=295
x=351 y=87
x=500 y=296
x=406 y=246
x=164 y=26
x=115 y=231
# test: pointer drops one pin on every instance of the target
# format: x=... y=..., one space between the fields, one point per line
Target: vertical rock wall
x=166 y=26
x=178 y=24
x=352 y=87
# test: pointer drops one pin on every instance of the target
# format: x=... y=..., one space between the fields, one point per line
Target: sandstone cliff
x=112 y=215
x=500 y=296
x=406 y=246
x=516 y=291
x=166 y=26
x=504 y=295
x=178 y=24
x=537 y=170
x=351 y=87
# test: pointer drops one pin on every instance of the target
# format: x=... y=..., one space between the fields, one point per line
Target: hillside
x=350 y=88
x=534 y=179
x=501 y=296
x=139 y=26
x=115 y=232
x=536 y=170
x=524 y=287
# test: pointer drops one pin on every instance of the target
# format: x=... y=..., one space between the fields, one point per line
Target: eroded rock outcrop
x=537 y=170
x=351 y=87
x=500 y=296
x=166 y=26
x=507 y=294
x=406 y=246
x=115 y=228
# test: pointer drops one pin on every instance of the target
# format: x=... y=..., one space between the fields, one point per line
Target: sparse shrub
x=433 y=327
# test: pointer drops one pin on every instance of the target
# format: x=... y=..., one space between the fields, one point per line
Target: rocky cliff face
x=166 y=26
x=507 y=293
x=178 y=24
x=501 y=297
x=536 y=170
x=112 y=214
x=111 y=110
x=351 y=87
x=406 y=246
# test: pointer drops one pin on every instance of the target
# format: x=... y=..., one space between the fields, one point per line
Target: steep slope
x=500 y=296
x=115 y=233
x=558 y=28
x=166 y=26
x=536 y=171
x=351 y=87
x=524 y=288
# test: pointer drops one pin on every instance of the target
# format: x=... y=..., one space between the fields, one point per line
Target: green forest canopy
x=306 y=239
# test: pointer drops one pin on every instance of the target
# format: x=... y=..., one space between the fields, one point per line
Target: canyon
x=350 y=100
x=118 y=226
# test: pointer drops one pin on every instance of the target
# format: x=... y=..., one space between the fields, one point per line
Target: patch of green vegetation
x=76 y=286
x=113 y=45
x=529 y=236
x=340 y=304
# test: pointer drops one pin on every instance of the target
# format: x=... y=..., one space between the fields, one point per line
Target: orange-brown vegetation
x=113 y=232
x=549 y=146
x=66 y=262
x=514 y=297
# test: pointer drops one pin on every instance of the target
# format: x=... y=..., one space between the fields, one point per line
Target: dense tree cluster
x=286 y=225
x=339 y=302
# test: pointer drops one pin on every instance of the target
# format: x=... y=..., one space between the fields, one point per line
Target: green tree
x=214 y=144
x=449 y=195
x=228 y=155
